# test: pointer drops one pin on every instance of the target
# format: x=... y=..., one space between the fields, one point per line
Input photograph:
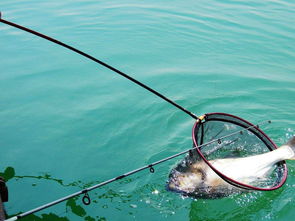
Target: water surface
x=67 y=123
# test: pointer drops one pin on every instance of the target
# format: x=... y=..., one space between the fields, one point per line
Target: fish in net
x=231 y=155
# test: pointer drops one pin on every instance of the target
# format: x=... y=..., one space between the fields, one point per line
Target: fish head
x=194 y=178
x=187 y=176
x=184 y=182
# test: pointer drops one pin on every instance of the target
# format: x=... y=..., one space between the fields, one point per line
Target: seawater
x=67 y=123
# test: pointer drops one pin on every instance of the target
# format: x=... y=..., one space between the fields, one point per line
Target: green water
x=66 y=123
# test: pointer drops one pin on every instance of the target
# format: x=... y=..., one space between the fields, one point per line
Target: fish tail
x=291 y=144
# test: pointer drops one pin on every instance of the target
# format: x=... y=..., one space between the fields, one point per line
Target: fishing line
x=99 y=62
x=86 y=198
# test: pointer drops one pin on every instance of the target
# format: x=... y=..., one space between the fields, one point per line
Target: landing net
x=245 y=143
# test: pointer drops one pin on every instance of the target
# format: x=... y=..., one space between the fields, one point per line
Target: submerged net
x=247 y=140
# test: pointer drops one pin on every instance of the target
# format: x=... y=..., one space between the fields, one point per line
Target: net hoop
x=262 y=136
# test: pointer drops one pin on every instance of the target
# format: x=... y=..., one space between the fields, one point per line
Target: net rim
x=228 y=179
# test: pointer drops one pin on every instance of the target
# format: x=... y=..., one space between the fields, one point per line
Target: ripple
x=77 y=121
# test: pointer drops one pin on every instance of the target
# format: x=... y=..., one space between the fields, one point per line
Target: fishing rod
x=86 y=199
x=99 y=62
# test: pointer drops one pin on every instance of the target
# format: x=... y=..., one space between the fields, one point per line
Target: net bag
x=245 y=140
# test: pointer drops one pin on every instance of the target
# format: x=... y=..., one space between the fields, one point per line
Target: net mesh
x=247 y=140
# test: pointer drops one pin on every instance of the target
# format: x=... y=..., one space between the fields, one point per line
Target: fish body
x=197 y=179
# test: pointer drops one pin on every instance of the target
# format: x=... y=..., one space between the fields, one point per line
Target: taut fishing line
x=215 y=135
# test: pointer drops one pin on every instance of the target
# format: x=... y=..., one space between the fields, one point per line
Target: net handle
x=46 y=37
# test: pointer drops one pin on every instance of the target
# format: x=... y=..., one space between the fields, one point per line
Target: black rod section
x=99 y=62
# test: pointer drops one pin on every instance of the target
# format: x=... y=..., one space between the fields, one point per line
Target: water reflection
x=72 y=205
